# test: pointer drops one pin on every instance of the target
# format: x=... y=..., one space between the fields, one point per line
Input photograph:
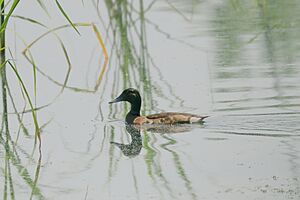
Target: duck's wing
x=142 y=120
x=174 y=117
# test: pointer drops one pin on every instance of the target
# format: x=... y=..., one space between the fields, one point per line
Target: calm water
x=237 y=61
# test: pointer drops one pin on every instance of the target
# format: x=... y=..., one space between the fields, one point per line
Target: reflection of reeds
x=133 y=67
x=179 y=166
x=130 y=53
x=154 y=166
x=133 y=61
x=129 y=36
x=11 y=155
x=242 y=25
x=13 y=159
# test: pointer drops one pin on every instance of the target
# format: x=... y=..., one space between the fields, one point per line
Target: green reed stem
x=3 y=71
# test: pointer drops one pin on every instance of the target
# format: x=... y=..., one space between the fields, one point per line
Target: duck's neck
x=135 y=134
x=135 y=107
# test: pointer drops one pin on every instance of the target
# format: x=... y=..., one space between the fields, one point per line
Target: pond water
x=235 y=60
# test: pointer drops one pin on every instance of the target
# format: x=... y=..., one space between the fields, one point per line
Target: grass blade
x=51 y=31
x=64 y=85
x=29 y=20
x=11 y=10
x=3 y=64
x=37 y=131
x=42 y=5
x=68 y=61
x=98 y=35
x=66 y=16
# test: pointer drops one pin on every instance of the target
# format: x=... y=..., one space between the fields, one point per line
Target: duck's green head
x=130 y=95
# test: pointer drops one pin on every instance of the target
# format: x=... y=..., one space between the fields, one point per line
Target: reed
x=3 y=70
x=12 y=159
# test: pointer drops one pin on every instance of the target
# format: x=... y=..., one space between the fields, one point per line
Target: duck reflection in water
x=134 y=148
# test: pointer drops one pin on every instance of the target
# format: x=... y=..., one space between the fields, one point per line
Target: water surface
x=236 y=61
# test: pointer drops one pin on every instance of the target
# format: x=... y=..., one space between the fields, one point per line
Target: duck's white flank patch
x=195 y=119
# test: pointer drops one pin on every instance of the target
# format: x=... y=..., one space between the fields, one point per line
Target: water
x=236 y=61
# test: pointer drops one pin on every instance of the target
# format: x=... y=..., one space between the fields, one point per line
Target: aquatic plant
x=8 y=141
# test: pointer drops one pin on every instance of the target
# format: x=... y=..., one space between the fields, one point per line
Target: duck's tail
x=197 y=119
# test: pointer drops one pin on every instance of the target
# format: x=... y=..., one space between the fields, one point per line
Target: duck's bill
x=115 y=100
x=117 y=144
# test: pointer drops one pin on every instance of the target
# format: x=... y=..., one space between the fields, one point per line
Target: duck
x=134 y=117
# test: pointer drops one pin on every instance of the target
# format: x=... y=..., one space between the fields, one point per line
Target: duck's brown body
x=164 y=118
x=133 y=117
